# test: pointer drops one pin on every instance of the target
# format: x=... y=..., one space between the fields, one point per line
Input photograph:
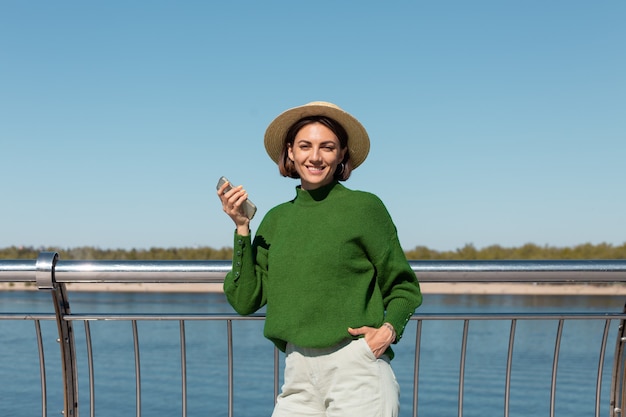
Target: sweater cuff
x=239 y=246
x=398 y=317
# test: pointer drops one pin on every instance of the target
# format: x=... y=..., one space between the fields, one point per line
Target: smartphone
x=249 y=209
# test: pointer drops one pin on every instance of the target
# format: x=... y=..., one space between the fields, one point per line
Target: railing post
x=44 y=275
x=617 y=380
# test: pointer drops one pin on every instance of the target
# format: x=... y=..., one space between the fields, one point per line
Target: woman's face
x=316 y=153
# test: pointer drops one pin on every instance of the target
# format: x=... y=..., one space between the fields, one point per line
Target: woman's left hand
x=377 y=339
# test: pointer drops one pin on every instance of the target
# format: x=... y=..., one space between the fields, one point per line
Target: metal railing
x=49 y=273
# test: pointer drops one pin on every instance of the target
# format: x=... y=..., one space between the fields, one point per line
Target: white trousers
x=343 y=381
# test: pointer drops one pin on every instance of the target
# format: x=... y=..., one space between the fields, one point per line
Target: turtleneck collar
x=318 y=194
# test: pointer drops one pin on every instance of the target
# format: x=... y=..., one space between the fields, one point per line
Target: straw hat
x=358 y=140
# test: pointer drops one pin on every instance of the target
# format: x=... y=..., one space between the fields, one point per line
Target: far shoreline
x=427 y=288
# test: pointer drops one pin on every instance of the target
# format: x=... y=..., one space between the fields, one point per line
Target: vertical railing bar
x=462 y=366
x=416 y=365
x=509 y=365
x=605 y=336
x=92 y=390
x=45 y=267
x=555 y=366
x=42 y=370
x=229 y=329
x=620 y=410
x=276 y=373
x=137 y=369
x=617 y=373
x=183 y=367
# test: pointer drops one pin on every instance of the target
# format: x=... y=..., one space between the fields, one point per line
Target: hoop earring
x=339 y=172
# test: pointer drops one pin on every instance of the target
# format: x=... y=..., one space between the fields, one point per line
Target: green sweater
x=328 y=260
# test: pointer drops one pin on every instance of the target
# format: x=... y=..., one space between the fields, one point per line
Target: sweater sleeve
x=398 y=284
x=399 y=287
x=243 y=285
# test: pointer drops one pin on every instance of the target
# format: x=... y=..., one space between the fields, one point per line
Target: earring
x=340 y=171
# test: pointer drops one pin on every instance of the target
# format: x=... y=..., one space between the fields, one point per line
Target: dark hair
x=287 y=167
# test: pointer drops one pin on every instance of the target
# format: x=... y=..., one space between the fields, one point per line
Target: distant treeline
x=467 y=252
x=93 y=253
x=527 y=251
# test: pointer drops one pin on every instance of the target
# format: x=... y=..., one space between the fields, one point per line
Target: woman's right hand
x=232 y=204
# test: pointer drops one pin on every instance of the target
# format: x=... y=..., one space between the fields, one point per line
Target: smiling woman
x=315 y=152
x=329 y=266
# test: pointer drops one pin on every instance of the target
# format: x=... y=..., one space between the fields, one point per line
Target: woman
x=329 y=267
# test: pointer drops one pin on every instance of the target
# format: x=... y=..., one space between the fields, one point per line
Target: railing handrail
x=213 y=271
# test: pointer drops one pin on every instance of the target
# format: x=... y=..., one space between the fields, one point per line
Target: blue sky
x=492 y=122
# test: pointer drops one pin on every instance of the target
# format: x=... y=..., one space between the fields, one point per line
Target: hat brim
x=358 y=139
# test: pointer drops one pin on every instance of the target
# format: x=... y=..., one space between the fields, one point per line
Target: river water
x=206 y=355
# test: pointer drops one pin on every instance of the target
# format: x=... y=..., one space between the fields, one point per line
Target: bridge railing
x=49 y=273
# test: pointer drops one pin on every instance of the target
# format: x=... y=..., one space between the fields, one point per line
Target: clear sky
x=492 y=122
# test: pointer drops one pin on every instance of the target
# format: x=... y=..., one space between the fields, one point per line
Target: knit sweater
x=328 y=260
